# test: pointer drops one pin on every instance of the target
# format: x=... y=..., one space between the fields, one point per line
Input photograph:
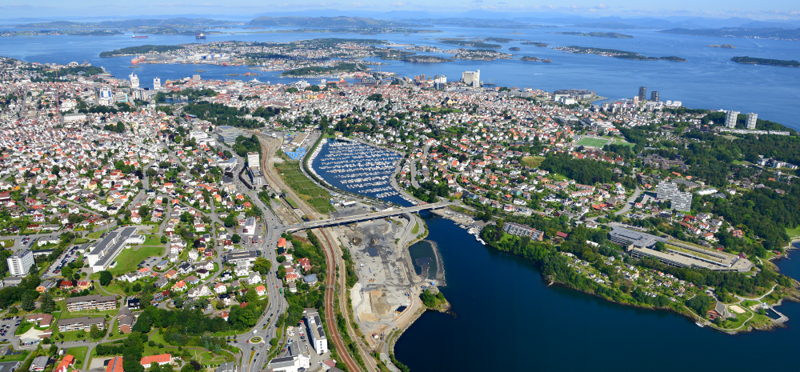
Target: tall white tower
x=156 y=84
x=752 y=119
x=134 y=81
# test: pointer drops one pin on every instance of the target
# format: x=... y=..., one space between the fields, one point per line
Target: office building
x=472 y=78
x=227 y=134
x=107 y=250
x=93 y=302
x=642 y=93
x=19 y=263
x=730 y=119
x=752 y=119
x=134 y=80
x=681 y=201
x=654 y=96
x=156 y=84
x=626 y=237
x=234 y=258
x=253 y=160
x=316 y=333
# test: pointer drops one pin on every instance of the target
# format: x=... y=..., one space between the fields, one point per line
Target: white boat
x=699 y=324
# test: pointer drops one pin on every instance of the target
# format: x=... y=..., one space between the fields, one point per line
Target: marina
x=357 y=168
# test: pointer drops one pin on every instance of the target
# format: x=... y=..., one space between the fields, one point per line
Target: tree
x=13 y=310
x=236 y=238
x=661 y=247
x=164 y=239
x=48 y=305
x=281 y=272
x=137 y=287
x=96 y=332
x=27 y=302
x=105 y=278
x=262 y=265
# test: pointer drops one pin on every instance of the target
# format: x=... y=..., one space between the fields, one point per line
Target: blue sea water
x=708 y=80
x=507 y=318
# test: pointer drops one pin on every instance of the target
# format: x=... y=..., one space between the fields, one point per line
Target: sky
x=762 y=10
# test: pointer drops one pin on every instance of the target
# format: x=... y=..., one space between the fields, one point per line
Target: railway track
x=330 y=284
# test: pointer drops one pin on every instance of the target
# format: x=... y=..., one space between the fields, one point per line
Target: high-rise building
x=471 y=78
x=156 y=84
x=730 y=119
x=196 y=77
x=134 y=81
x=642 y=93
x=253 y=160
x=654 y=96
x=752 y=119
x=20 y=262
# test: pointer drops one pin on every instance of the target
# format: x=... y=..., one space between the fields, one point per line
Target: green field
x=130 y=258
x=80 y=355
x=793 y=233
x=415 y=230
x=312 y=194
x=532 y=161
x=592 y=142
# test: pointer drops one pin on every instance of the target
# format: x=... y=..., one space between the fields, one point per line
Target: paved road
x=629 y=203
x=364 y=217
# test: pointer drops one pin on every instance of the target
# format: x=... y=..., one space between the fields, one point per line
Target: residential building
x=642 y=93
x=248 y=257
x=730 y=119
x=522 y=230
x=655 y=96
x=253 y=160
x=115 y=365
x=39 y=363
x=316 y=333
x=161 y=359
x=93 y=302
x=20 y=262
x=82 y=323
x=681 y=201
x=63 y=366
x=752 y=119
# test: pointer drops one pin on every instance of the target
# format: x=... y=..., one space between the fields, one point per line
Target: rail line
x=330 y=284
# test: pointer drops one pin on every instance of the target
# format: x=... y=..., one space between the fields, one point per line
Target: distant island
x=760 y=33
x=765 y=61
x=615 y=25
x=515 y=49
x=498 y=39
x=529 y=59
x=347 y=22
x=425 y=59
x=134 y=24
x=470 y=43
x=723 y=46
x=611 y=35
x=535 y=43
x=316 y=71
x=9 y=33
x=355 y=30
x=616 y=54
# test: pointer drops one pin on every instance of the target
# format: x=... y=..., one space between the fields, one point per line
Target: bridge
x=364 y=217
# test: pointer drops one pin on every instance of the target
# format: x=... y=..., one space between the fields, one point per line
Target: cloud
x=602 y=6
x=477 y=1
x=399 y=3
x=357 y=5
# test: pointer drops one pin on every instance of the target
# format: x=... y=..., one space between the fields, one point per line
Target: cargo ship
x=200 y=36
x=140 y=36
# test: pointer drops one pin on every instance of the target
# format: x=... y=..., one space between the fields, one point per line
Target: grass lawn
x=129 y=259
x=15 y=358
x=8 y=243
x=25 y=326
x=532 y=161
x=95 y=235
x=80 y=355
x=312 y=194
x=793 y=233
x=592 y=142
x=152 y=240
x=90 y=313
x=80 y=241
x=415 y=230
x=115 y=288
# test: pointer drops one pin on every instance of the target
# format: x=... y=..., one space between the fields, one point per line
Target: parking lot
x=69 y=255
x=8 y=326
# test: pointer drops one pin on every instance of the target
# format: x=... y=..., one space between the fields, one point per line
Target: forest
x=219 y=114
x=584 y=171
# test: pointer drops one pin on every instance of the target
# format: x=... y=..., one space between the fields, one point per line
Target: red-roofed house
x=161 y=359
x=115 y=365
x=65 y=363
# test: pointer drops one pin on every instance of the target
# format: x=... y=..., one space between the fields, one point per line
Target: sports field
x=593 y=142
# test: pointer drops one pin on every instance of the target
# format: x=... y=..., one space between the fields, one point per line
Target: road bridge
x=364 y=217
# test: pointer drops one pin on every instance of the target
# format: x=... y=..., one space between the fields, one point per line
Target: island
x=750 y=33
x=322 y=71
x=469 y=43
x=723 y=46
x=616 y=54
x=535 y=43
x=478 y=54
x=529 y=59
x=612 y=35
x=425 y=59
x=347 y=22
x=11 y=33
x=765 y=61
x=515 y=49
x=498 y=39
